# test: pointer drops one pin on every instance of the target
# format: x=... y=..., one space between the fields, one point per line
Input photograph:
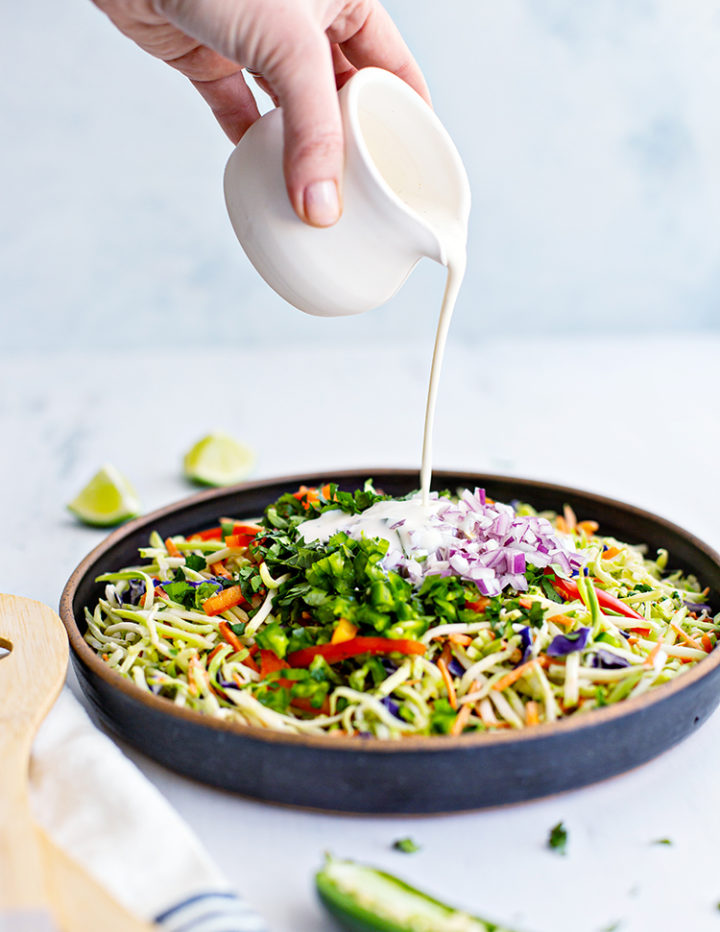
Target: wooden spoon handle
x=31 y=676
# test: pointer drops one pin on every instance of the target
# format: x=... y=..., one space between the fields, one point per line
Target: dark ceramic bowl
x=415 y=775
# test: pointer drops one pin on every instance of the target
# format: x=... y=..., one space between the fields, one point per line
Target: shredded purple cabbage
x=392 y=706
x=606 y=660
x=564 y=644
x=525 y=644
x=698 y=607
x=134 y=592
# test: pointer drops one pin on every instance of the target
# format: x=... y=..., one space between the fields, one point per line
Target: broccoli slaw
x=355 y=613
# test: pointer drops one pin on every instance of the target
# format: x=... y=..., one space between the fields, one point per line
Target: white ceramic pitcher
x=402 y=174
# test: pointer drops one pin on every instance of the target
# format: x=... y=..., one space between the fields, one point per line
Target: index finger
x=377 y=41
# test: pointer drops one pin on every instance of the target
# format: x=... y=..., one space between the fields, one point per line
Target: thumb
x=304 y=81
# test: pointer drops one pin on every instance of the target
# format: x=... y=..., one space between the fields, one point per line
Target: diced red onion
x=488 y=544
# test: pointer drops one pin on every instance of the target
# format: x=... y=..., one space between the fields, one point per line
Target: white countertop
x=632 y=418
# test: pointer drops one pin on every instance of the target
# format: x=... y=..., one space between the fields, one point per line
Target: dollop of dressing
x=403 y=524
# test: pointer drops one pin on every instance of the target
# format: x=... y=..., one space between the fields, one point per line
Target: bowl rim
x=421 y=743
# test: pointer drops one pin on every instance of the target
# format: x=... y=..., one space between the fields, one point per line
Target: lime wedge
x=107 y=499
x=218 y=459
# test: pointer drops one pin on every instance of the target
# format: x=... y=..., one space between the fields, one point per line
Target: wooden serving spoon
x=31 y=676
x=37 y=879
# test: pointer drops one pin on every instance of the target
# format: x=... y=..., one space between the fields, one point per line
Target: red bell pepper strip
x=229 y=635
x=270 y=663
x=238 y=540
x=334 y=653
x=212 y=533
x=569 y=591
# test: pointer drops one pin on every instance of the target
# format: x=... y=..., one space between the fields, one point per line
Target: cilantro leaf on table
x=558 y=838
x=406 y=845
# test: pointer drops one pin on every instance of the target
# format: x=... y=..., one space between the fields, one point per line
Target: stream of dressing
x=453 y=241
x=405 y=524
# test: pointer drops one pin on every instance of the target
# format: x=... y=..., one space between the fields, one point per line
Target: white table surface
x=632 y=418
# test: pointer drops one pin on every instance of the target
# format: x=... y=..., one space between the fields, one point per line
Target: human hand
x=301 y=51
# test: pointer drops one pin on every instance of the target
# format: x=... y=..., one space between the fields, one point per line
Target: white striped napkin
x=96 y=805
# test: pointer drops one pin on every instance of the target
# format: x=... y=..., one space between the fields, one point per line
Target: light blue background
x=590 y=131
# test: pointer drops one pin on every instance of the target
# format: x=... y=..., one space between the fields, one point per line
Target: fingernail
x=322 y=204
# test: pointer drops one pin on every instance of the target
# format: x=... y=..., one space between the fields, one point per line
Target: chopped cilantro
x=662 y=841
x=195 y=562
x=406 y=845
x=536 y=615
x=558 y=838
x=547 y=588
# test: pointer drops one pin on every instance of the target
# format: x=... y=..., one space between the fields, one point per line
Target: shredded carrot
x=525 y=603
x=610 y=553
x=650 y=659
x=462 y=639
x=219 y=569
x=514 y=675
x=229 y=635
x=214 y=651
x=171 y=547
x=532 y=716
x=570 y=519
x=563 y=620
x=223 y=600
x=447 y=679
x=707 y=642
x=458 y=726
x=562 y=525
x=691 y=642
x=589 y=527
